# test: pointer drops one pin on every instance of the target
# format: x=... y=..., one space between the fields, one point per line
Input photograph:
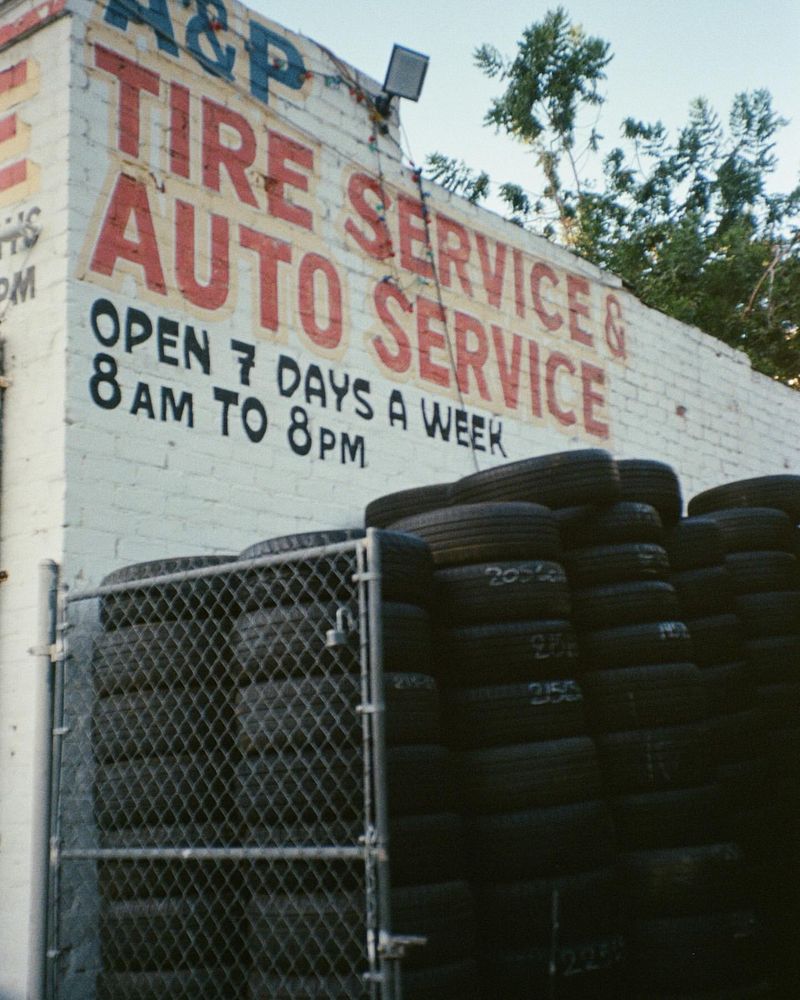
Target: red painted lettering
x=471 y=358
x=519 y=289
x=592 y=376
x=400 y=361
x=216 y=154
x=179 y=130
x=129 y=203
x=549 y=320
x=431 y=340
x=412 y=231
x=133 y=79
x=282 y=151
x=577 y=286
x=535 y=377
x=554 y=362
x=379 y=244
x=453 y=255
x=270 y=252
x=213 y=294
x=492 y=275
x=509 y=373
x=329 y=335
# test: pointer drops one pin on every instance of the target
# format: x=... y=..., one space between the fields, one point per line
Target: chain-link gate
x=219 y=803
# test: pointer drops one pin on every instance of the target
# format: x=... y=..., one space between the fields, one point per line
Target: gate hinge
x=394 y=945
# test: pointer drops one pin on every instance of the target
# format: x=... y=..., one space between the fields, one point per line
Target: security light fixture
x=404 y=77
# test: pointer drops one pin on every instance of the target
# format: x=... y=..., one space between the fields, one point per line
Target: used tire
x=622 y=523
x=671 y=817
x=604 y=564
x=486 y=532
x=693 y=543
x=644 y=697
x=625 y=604
x=654 y=483
x=501 y=591
x=781 y=492
x=562 y=479
x=636 y=645
x=653 y=759
x=385 y=510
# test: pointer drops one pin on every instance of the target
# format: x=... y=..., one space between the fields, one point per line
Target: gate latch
x=394 y=945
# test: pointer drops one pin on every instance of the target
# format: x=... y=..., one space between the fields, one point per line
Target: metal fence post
x=42 y=769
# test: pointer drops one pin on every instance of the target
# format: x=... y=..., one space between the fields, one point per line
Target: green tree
x=687 y=222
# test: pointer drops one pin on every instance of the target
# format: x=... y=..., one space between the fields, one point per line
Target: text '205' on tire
x=501 y=591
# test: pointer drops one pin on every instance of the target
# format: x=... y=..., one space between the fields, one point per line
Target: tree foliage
x=687 y=221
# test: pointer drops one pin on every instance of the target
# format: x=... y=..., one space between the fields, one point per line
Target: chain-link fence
x=219 y=802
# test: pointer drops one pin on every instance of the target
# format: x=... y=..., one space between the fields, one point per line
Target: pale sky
x=666 y=52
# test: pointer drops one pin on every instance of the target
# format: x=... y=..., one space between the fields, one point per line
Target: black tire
x=781 y=492
x=187 y=599
x=170 y=655
x=181 y=984
x=695 y=953
x=289 y=544
x=705 y=591
x=770 y=613
x=406 y=570
x=385 y=510
x=602 y=564
x=671 y=817
x=728 y=688
x=563 y=479
x=779 y=705
x=407 y=640
x=620 y=523
x=514 y=713
x=186 y=790
x=426 y=848
x=736 y=737
x=773 y=659
x=755 y=529
x=754 y=572
x=624 y=604
x=444 y=913
x=644 y=697
x=516 y=914
x=419 y=780
x=310 y=786
x=290 y=640
x=324 y=712
x=636 y=645
x=286 y=933
x=716 y=639
x=456 y=981
x=583 y=969
x=501 y=591
x=537 y=843
x=140 y=935
x=654 y=759
x=654 y=483
x=486 y=532
x=527 y=775
x=683 y=880
x=482 y=655
x=160 y=724
x=693 y=543
x=263 y=986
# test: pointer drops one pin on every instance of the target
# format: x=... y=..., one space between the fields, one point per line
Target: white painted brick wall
x=96 y=488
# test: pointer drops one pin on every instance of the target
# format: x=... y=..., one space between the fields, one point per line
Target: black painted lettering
x=246 y=359
x=340 y=391
x=315 y=386
x=495 y=435
x=361 y=391
x=24 y=282
x=298 y=434
x=142 y=400
x=435 y=425
x=167 y=339
x=104 y=319
x=193 y=348
x=478 y=426
x=462 y=428
x=138 y=328
x=254 y=419
x=289 y=377
x=397 y=410
x=353 y=450
x=105 y=374
x=173 y=409
x=228 y=399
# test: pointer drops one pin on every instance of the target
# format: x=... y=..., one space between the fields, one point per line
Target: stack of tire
x=758 y=520
x=301 y=776
x=681 y=877
x=539 y=837
x=161 y=735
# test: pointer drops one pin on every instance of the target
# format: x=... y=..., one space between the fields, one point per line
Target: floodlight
x=404 y=77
